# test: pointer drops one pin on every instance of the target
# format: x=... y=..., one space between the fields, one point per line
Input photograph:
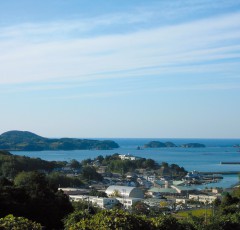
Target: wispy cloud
x=198 y=46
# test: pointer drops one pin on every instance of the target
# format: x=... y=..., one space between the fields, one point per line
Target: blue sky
x=120 y=68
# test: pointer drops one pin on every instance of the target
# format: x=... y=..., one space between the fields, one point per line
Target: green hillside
x=27 y=141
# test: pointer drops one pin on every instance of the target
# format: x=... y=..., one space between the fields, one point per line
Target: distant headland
x=28 y=141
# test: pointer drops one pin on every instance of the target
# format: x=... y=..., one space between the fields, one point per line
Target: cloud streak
x=197 y=46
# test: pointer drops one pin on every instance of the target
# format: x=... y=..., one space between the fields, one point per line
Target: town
x=166 y=188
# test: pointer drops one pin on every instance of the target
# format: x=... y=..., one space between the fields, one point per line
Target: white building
x=128 y=202
x=124 y=192
x=102 y=202
x=181 y=201
x=203 y=198
x=106 y=203
x=128 y=157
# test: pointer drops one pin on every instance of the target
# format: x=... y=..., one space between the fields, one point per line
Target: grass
x=197 y=213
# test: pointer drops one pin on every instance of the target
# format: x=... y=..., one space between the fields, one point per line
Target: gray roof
x=163 y=190
x=178 y=182
x=185 y=188
x=159 y=182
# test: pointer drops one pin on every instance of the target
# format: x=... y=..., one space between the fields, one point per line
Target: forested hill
x=27 y=141
x=158 y=144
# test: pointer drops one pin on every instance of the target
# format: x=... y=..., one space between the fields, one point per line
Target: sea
x=206 y=159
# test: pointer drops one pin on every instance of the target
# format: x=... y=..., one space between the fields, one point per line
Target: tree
x=90 y=173
x=113 y=219
x=74 y=164
x=60 y=180
x=75 y=217
x=85 y=205
x=227 y=200
x=5 y=182
x=95 y=192
x=86 y=162
x=140 y=208
x=149 y=163
x=236 y=192
x=167 y=223
x=32 y=180
x=116 y=193
x=100 y=158
x=165 y=164
x=18 y=223
x=33 y=198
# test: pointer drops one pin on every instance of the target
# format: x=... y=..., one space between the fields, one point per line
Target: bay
x=201 y=159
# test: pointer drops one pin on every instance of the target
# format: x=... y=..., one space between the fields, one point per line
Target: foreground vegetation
x=225 y=217
x=222 y=215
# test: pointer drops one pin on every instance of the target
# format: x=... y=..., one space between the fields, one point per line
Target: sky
x=118 y=68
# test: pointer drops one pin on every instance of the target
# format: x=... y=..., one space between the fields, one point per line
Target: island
x=27 y=141
x=193 y=145
x=158 y=144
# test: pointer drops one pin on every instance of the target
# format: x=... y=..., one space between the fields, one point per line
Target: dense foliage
x=121 y=220
x=27 y=141
x=90 y=173
x=115 y=164
x=32 y=197
x=11 y=165
x=11 y=222
x=64 y=181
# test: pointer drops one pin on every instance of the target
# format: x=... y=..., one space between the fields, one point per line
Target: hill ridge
x=16 y=140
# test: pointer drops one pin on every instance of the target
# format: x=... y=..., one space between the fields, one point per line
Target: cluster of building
x=171 y=193
x=124 y=195
x=146 y=187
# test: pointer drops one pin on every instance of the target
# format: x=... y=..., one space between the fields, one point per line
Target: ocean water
x=201 y=159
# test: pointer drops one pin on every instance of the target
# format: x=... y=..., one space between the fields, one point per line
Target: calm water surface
x=201 y=159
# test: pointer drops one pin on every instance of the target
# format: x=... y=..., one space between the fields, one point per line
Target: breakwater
x=221 y=173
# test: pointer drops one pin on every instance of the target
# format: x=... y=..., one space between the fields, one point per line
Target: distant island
x=158 y=144
x=28 y=141
x=193 y=145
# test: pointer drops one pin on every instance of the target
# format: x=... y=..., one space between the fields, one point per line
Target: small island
x=158 y=144
x=27 y=141
x=193 y=145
